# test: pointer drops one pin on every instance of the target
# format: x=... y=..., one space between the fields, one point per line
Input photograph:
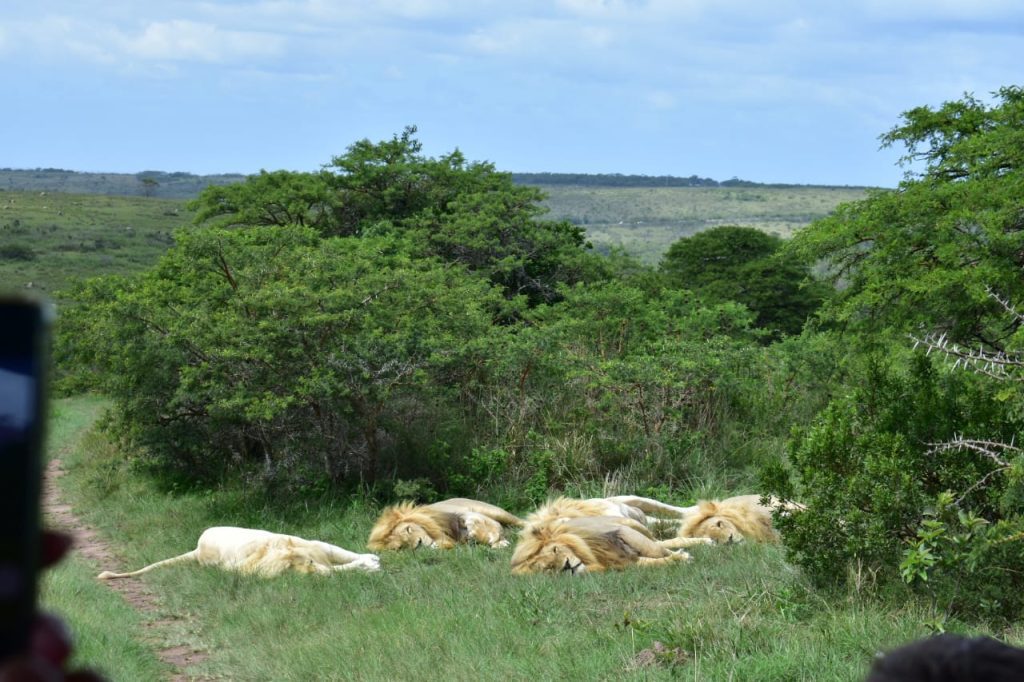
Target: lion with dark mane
x=591 y=544
x=441 y=525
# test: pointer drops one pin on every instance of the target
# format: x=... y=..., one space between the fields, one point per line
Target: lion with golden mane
x=441 y=525
x=734 y=519
x=260 y=552
x=589 y=544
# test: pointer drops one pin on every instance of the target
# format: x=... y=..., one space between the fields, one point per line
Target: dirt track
x=92 y=548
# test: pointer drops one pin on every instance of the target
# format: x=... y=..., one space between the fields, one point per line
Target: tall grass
x=732 y=613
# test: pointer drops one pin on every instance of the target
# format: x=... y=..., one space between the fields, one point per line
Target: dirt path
x=91 y=547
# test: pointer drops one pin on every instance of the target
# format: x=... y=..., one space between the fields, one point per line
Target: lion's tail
x=187 y=556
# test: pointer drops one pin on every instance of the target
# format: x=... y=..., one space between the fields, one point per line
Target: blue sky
x=784 y=91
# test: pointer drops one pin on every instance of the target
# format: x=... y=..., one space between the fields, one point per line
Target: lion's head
x=729 y=523
x=552 y=548
x=408 y=526
x=582 y=545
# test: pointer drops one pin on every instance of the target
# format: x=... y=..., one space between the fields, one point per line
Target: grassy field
x=736 y=612
x=50 y=239
x=647 y=220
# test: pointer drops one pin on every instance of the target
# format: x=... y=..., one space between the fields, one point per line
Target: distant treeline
x=188 y=186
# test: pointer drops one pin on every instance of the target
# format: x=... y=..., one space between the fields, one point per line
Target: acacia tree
x=272 y=349
x=935 y=262
x=462 y=212
x=923 y=257
x=748 y=266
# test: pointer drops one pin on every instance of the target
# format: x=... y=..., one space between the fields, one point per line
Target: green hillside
x=49 y=239
x=646 y=220
x=57 y=226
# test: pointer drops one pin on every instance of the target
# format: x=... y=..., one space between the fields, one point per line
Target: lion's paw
x=368 y=562
x=681 y=555
x=500 y=544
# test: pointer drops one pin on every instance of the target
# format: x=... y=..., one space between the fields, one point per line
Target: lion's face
x=410 y=535
x=720 y=529
x=552 y=558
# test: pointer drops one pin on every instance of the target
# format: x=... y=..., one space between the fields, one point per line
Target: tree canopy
x=462 y=212
x=923 y=256
x=748 y=266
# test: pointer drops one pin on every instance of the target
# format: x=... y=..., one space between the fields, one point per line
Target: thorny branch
x=994 y=450
x=996 y=364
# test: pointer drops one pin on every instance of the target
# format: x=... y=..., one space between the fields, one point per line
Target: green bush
x=17 y=252
x=875 y=475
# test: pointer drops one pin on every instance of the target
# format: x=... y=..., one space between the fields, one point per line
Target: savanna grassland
x=50 y=237
x=647 y=220
x=49 y=240
x=739 y=612
x=315 y=346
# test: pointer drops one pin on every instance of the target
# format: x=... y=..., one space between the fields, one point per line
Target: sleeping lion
x=625 y=506
x=733 y=519
x=588 y=544
x=441 y=525
x=262 y=553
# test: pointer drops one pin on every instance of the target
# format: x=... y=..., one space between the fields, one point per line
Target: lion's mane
x=601 y=543
x=442 y=527
x=753 y=521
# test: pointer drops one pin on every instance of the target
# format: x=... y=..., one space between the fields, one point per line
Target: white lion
x=262 y=553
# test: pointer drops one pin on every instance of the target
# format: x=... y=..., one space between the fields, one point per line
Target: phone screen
x=23 y=357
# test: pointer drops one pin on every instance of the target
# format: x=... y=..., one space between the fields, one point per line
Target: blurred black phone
x=24 y=362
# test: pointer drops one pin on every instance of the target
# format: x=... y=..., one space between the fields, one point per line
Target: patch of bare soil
x=90 y=546
x=658 y=655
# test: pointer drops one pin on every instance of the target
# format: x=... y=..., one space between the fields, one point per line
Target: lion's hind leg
x=653 y=507
x=651 y=552
x=484 y=530
x=679 y=543
x=665 y=560
x=343 y=559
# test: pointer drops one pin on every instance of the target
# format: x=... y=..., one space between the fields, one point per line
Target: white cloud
x=182 y=40
x=943 y=10
x=176 y=40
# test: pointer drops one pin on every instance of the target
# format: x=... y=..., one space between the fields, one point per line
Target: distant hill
x=165 y=185
x=57 y=226
x=145 y=184
x=619 y=180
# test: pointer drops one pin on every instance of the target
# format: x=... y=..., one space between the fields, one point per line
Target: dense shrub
x=17 y=252
x=874 y=474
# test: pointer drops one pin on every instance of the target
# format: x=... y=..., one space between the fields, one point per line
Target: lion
x=625 y=506
x=260 y=552
x=733 y=519
x=441 y=525
x=589 y=544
